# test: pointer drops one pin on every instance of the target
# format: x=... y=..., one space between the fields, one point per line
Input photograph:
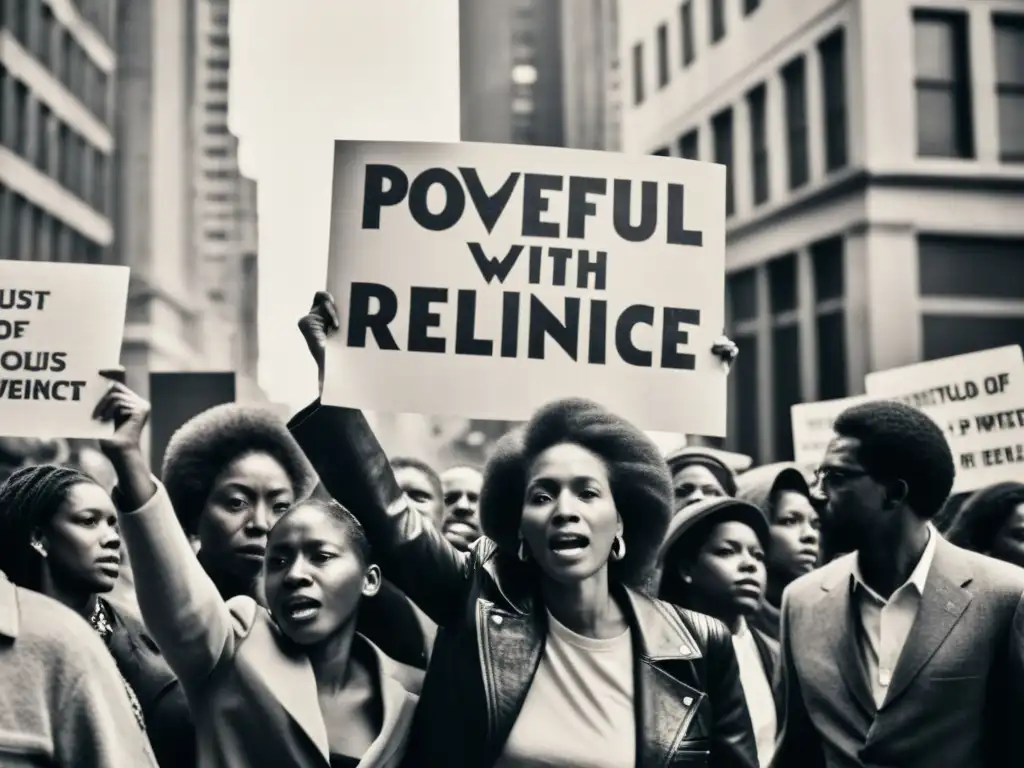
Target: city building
x=875 y=155
x=153 y=186
x=511 y=71
x=57 y=60
x=225 y=220
x=591 y=74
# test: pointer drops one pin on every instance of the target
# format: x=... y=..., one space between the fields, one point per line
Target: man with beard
x=908 y=651
x=461 y=486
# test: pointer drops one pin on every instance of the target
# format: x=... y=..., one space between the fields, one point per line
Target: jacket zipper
x=484 y=649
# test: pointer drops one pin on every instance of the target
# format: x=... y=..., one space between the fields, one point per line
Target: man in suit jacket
x=909 y=652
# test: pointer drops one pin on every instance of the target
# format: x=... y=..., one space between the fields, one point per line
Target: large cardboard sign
x=812 y=427
x=60 y=324
x=978 y=400
x=486 y=280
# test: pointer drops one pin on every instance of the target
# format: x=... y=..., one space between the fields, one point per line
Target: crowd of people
x=289 y=595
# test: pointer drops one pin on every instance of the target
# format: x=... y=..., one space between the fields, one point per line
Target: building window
x=216 y=151
x=216 y=106
x=99 y=182
x=717 y=16
x=944 y=126
x=832 y=51
x=721 y=128
x=689 y=145
x=970 y=267
x=662 y=38
x=794 y=82
x=47 y=25
x=786 y=386
x=1010 y=86
x=18 y=14
x=220 y=40
x=222 y=64
x=216 y=130
x=741 y=301
x=21 y=99
x=686 y=32
x=749 y=6
x=662 y=152
x=43 y=139
x=217 y=85
x=759 y=142
x=830 y=317
x=948 y=335
x=64 y=44
x=638 y=73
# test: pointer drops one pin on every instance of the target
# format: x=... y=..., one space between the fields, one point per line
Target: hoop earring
x=522 y=554
x=618 y=547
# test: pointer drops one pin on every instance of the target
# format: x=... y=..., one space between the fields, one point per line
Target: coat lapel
x=288 y=675
x=835 y=635
x=666 y=705
x=942 y=604
x=398 y=705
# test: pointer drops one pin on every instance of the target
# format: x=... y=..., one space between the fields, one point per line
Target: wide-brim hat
x=719 y=509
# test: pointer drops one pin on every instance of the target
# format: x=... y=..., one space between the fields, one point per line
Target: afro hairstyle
x=204 y=445
x=899 y=442
x=640 y=482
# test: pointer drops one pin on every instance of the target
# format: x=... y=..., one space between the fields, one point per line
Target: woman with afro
x=230 y=473
x=548 y=653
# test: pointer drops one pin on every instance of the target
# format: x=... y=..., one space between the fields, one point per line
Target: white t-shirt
x=579 y=709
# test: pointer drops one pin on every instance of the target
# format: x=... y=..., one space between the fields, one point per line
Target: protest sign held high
x=60 y=324
x=978 y=399
x=532 y=272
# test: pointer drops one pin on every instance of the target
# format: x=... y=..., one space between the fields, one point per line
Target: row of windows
x=943 y=85
x=793 y=76
x=28 y=233
x=35 y=133
x=33 y=24
x=782 y=275
x=960 y=267
x=717 y=17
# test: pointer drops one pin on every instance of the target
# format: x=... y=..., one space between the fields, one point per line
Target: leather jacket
x=690 y=705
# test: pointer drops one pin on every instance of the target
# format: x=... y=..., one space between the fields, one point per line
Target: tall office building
x=225 y=201
x=874 y=154
x=511 y=71
x=154 y=187
x=590 y=74
x=57 y=60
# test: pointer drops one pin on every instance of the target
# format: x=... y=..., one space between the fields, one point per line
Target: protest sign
x=485 y=280
x=60 y=324
x=812 y=427
x=978 y=400
x=667 y=441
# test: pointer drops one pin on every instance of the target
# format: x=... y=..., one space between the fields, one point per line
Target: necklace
x=101 y=624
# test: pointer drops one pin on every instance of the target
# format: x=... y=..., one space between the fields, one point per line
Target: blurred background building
x=875 y=180
x=114 y=148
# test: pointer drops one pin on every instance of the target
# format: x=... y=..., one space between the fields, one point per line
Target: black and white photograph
x=511 y=383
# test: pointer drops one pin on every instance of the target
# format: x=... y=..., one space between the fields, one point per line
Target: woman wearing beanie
x=991 y=521
x=782 y=493
x=712 y=561
x=698 y=474
x=547 y=654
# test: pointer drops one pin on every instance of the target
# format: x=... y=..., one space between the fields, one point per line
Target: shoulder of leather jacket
x=708 y=631
x=483 y=549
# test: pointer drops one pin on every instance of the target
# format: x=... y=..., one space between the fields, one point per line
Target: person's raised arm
x=179 y=603
x=354 y=469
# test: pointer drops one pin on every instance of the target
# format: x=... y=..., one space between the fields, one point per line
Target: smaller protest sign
x=978 y=400
x=60 y=324
x=487 y=280
x=667 y=441
x=812 y=427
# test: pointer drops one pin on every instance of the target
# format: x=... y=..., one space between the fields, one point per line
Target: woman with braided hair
x=59 y=536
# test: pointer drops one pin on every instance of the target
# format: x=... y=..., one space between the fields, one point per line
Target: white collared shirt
x=885 y=624
x=757 y=691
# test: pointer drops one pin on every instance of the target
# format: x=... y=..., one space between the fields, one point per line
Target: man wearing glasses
x=908 y=651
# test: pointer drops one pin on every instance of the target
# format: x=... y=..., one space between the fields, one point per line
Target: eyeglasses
x=834 y=477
